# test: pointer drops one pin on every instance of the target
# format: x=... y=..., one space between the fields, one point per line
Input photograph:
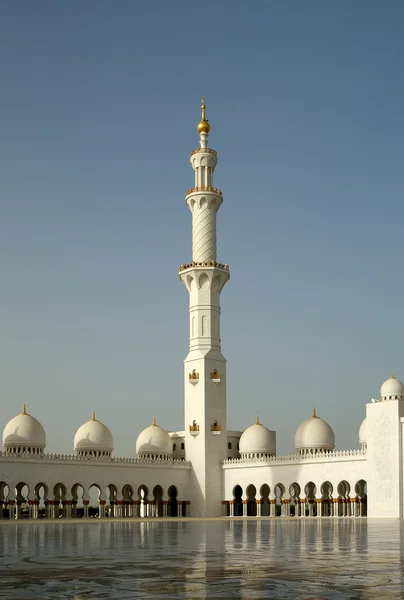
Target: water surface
x=251 y=559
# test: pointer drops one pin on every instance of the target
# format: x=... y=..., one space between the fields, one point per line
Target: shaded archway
x=251 y=500
x=111 y=507
x=158 y=501
x=59 y=500
x=143 y=494
x=326 y=499
x=238 y=501
x=311 y=506
x=172 y=501
x=344 y=503
x=78 y=501
x=41 y=492
x=361 y=491
x=21 y=497
x=4 y=494
x=96 y=504
x=279 y=491
x=294 y=494
x=127 y=499
x=265 y=506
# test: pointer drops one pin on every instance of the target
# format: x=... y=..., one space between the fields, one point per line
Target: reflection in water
x=276 y=558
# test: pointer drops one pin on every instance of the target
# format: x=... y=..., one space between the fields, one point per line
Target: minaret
x=205 y=365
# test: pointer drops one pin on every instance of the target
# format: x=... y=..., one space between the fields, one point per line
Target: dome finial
x=203 y=125
x=93 y=416
x=154 y=422
x=257 y=421
x=203 y=106
x=24 y=409
x=393 y=376
x=314 y=415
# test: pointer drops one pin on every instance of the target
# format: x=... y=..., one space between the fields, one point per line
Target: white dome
x=24 y=431
x=257 y=439
x=363 y=432
x=93 y=436
x=314 y=434
x=154 y=441
x=391 y=388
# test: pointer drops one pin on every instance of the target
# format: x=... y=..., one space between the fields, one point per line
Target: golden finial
x=154 y=421
x=393 y=375
x=203 y=125
x=93 y=416
x=314 y=415
x=257 y=421
x=24 y=409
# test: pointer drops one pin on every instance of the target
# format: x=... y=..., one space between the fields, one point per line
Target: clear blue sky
x=98 y=107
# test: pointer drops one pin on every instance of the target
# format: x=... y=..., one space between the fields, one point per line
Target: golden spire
x=93 y=416
x=203 y=108
x=393 y=375
x=24 y=409
x=203 y=125
x=154 y=422
x=314 y=415
x=257 y=421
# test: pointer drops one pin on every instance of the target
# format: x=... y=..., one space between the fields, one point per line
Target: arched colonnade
x=324 y=500
x=61 y=501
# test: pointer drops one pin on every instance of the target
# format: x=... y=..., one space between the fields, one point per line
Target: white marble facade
x=204 y=469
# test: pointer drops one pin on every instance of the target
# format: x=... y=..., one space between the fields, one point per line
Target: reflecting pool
x=241 y=558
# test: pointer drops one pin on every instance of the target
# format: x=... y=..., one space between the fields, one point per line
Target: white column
x=11 y=509
x=336 y=507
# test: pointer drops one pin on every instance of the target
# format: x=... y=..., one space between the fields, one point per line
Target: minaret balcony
x=204 y=188
x=215 y=428
x=215 y=376
x=194 y=429
x=206 y=150
x=194 y=377
x=206 y=263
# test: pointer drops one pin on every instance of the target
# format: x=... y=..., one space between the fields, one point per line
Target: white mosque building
x=205 y=470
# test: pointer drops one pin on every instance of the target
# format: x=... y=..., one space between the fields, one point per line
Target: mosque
x=205 y=470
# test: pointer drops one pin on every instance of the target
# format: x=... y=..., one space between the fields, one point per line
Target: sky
x=98 y=110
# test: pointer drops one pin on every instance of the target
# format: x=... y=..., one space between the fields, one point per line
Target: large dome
x=24 y=434
x=94 y=439
x=392 y=389
x=314 y=435
x=363 y=433
x=257 y=440
x=154 y=442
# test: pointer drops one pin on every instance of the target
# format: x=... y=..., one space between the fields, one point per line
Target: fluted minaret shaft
x=204 y=199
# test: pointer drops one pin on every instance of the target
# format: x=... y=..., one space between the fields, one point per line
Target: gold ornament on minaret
x=203 y=125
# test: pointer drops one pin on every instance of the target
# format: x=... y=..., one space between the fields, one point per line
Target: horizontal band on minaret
x=204 y=188
x=211 y=263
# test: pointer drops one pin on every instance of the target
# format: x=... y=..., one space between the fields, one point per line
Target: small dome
x=391 y=388
x=257 y=439
x=154 y=442
x=93 y=438
x=24 y=432
x=363 y=432
x=314 y=434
